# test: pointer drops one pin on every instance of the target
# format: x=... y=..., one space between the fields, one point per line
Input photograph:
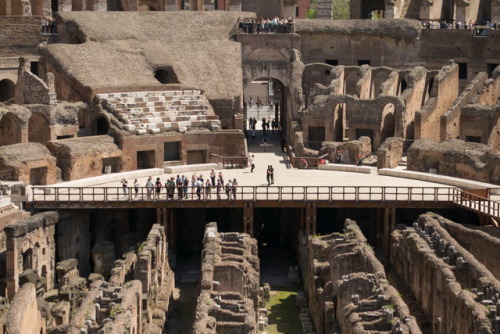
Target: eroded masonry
x=126 y=90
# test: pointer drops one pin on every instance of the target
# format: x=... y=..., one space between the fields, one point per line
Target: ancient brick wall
x=31 y=246
x=478 y=241
x=20 y=35
x=24 y=316
x=340 y=274
x=453 y=288
x=229 y=287
x=455 y=158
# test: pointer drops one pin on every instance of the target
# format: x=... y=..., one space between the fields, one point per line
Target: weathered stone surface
x=390 y=153
x=456 y=158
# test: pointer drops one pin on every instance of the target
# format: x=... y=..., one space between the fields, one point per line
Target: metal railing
x=246 y=193
x=477 y=203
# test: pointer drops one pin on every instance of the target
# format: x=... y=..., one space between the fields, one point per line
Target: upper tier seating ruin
x=161 y=111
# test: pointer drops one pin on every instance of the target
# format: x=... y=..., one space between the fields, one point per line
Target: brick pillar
x=389 y=223
x=11 y=264
x=311 y=218
x=248 y=218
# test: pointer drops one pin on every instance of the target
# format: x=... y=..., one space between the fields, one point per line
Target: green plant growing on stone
x=389 y=306
x=341 y=9
x=312 y=11
x=115 y=310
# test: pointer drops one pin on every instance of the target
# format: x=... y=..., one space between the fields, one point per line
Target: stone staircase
x=160 y=111
x=411 y=9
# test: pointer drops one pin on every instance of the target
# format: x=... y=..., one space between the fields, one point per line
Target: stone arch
x=36 y=7
x=280 y=98
x=38 y=129
x=388 y=122
x=7 y=90
x=351 y=77
x=10 y=130
x=403 y=84
x=377 y=80
x=101 y=126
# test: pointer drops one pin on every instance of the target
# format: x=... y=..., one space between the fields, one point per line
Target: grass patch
x=283 y=313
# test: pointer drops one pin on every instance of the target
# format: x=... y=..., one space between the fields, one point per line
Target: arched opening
x=28 y=259
x=387 y=125
x=377 y=81
x=38 y=129
x=166 y=76
x=54 y=5
x=402 y=86
x=265 y=98
x=369 y=8
x=10 y=131
x=350 y=81
x=102 y=126
x=339 y=116
x=7 y=90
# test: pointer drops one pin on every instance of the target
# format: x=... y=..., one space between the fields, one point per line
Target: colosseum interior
x=230 y=167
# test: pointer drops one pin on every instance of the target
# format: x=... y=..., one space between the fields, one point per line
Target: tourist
x=170 y=187
x=193 y=185
x=185 y=183
x=149 y=187
x=136 y=188
x=265 y=140
x=338 y=157
x=180 y=186
x=199 y=186
x=250 y=101
x=212 y=177
x=221 y=178
x=208 y=189
x=283 y=144
x=252 y=163
x=303 y=164
x=219 y=187
x=272 y=173
x=158 y=186
x=124 y=187
x=228 y=187
x=269 y=173
x=235 y=185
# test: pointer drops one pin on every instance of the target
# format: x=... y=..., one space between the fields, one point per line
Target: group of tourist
x=185 y=188
x=49 y=25
x=278 y=25
x=433 y=24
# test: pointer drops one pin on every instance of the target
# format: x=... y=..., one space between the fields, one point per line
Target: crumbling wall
x=30 y=89
x=390 y=153
x=455 y=158
x=477 y=240
x=24 y=316
x=442 y=90
x=229 y=286
x=31 y=246
x=347 y=286
x=83 y=157
x=453 y=288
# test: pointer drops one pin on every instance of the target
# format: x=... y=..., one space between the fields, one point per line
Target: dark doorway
x=166 y=76
x=171 y=151
x=365 y=133
x=102 y=127
x=316 y=133
x=145 y=159
x=28 y=259
x=54 y=5
x=7 y=90
x=38 y=176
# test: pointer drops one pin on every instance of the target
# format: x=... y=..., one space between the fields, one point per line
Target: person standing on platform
x=252 y=163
